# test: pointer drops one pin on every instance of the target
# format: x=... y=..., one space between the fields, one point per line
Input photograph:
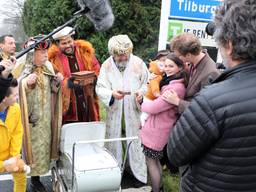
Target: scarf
x=166 y=79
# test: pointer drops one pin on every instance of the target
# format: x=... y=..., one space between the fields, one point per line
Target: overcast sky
x=9 y=10
x=2 y=2
x=7 y=5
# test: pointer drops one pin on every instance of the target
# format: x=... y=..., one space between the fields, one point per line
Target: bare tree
x=11 y=12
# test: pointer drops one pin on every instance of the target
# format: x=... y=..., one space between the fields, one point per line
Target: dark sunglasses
x=43 y=45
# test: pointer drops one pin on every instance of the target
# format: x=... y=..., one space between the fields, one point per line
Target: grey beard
x=121 y=65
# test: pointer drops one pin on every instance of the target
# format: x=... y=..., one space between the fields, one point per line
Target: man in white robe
x=123 y=80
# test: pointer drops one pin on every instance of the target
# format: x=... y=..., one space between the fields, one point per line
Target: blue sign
x=193 y=10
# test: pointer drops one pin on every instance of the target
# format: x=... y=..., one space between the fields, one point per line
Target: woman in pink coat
x=162 y=117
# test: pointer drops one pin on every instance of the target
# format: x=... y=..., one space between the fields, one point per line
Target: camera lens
x=12 y=59
x=2 y=68
x=210 y=28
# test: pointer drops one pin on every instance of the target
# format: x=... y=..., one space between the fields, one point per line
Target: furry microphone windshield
x=100 y=13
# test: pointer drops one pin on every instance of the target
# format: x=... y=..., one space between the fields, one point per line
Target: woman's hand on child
x=171 y=97
x=157 y=94
x=139 y=97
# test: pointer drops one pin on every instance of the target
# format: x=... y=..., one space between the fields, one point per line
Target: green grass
x=171 y=182
x=102 y=112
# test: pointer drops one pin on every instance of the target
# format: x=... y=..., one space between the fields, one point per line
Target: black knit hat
x=4 y=86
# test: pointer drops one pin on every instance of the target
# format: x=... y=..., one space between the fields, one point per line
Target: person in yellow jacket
x=11 y=133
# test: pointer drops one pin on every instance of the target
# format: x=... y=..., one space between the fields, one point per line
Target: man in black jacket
x=216 y=135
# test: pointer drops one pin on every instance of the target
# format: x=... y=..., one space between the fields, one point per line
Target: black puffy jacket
x=216 y=135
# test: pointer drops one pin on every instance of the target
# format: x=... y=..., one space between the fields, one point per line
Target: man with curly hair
x=216 y=135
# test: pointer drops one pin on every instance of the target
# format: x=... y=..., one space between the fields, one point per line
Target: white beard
x=121 y=65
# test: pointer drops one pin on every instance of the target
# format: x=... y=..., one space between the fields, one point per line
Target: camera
x=1 y=68
x=12 y=59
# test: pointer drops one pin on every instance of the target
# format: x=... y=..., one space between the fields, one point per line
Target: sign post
x=192 y=16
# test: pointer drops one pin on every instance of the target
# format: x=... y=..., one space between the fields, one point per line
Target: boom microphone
x=100 y=13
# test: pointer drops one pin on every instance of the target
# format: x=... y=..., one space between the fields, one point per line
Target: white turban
x=120 y=44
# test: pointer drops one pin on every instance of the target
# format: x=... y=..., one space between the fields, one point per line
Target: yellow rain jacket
x=11 y=132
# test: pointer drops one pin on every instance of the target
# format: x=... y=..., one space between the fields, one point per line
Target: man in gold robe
x=40 y=100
